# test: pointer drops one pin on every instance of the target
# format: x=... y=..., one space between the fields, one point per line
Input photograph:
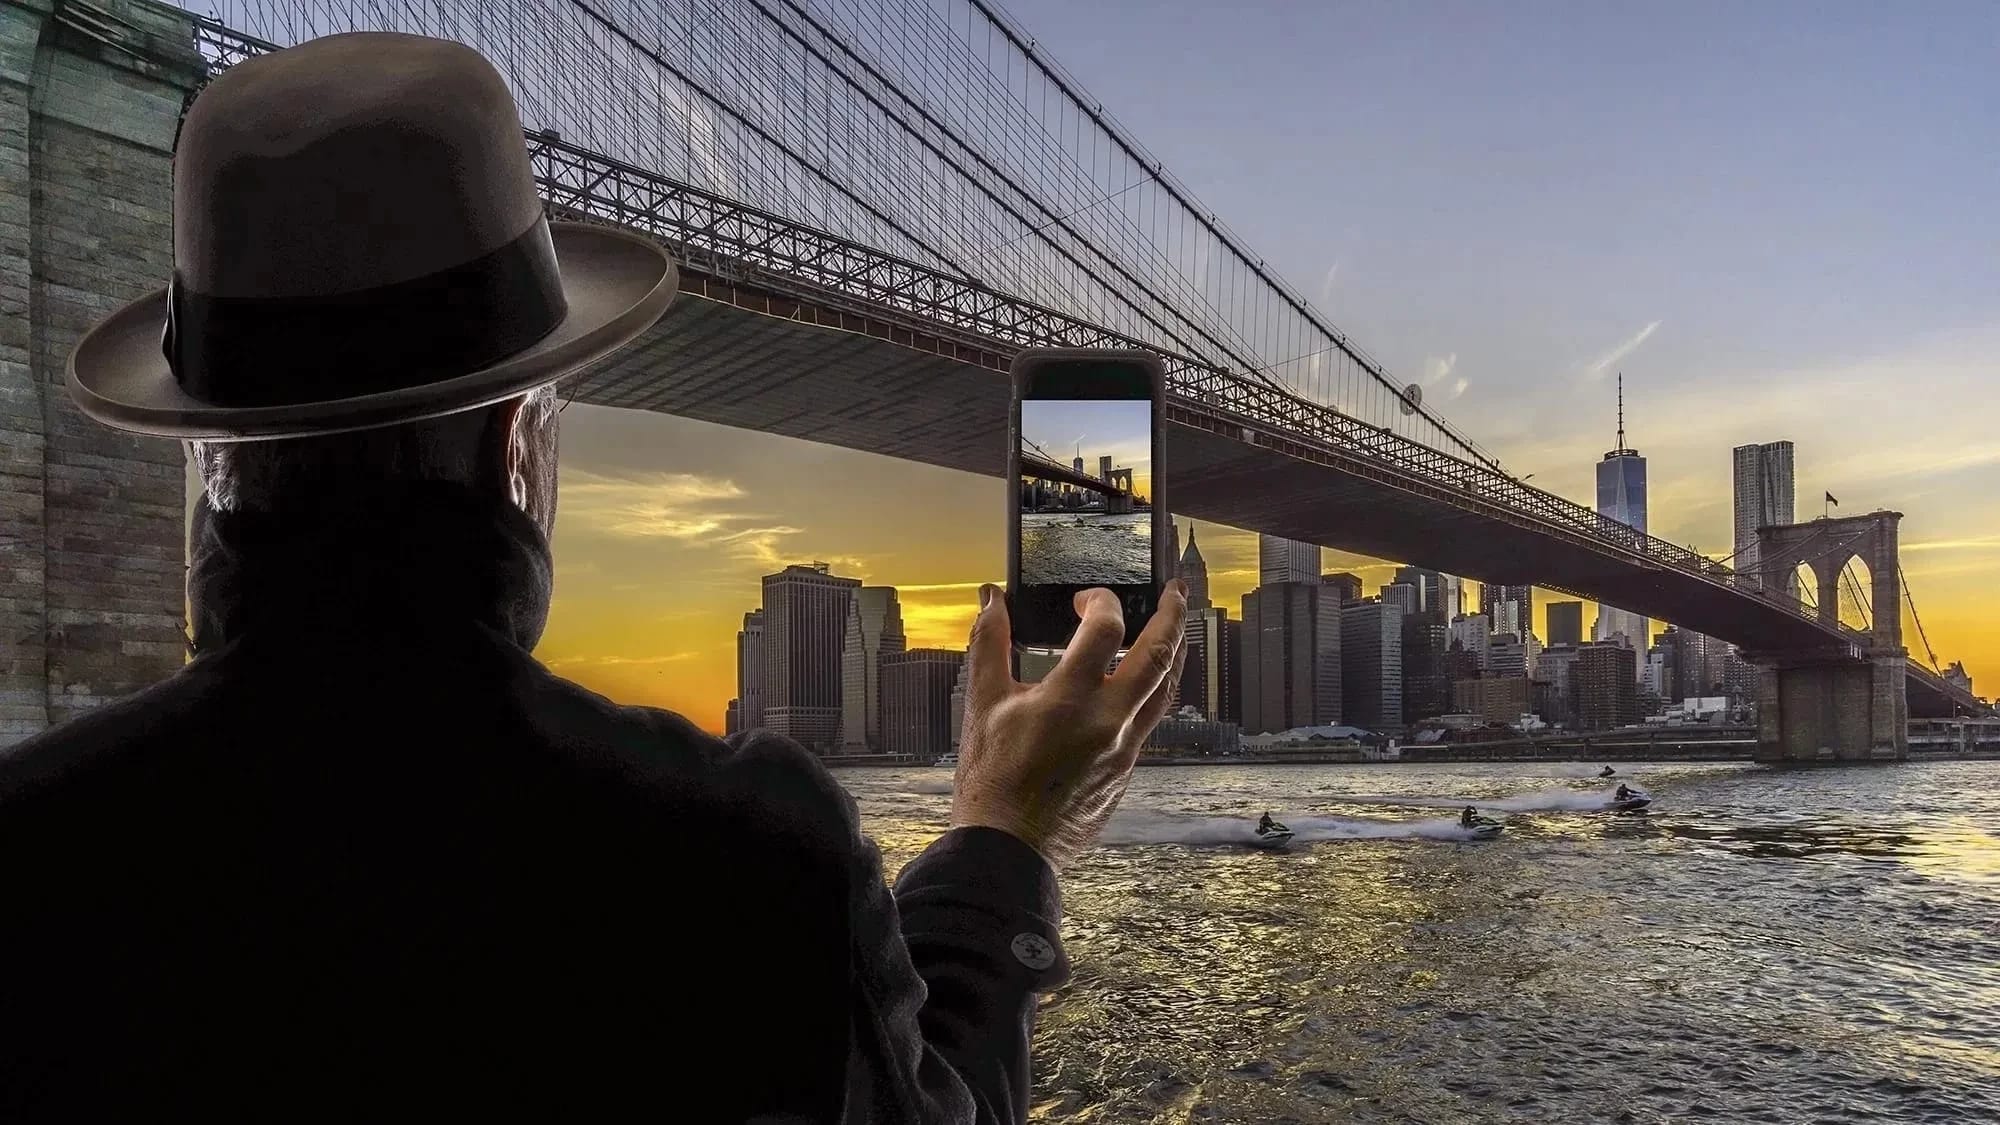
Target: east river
x=1760 y=946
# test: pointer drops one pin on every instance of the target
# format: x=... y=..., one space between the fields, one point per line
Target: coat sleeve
x=948 y=968
x=944 y=971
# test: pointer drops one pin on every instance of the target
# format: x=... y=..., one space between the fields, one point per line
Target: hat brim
x=617 y=285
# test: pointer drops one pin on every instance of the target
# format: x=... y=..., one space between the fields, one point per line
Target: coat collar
x=379 y=565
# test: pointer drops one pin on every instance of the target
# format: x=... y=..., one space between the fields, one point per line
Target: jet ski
x=1483 y=827
x=1277 y=836
x=1634 y=801
x=1608 y=772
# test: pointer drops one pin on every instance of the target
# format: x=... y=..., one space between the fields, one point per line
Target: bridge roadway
x=1059 y=473
x=745 y=355
x=795 y=331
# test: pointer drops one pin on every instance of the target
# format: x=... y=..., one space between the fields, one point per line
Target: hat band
x=281 y=351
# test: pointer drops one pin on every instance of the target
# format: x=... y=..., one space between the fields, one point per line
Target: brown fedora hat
x=358 y=242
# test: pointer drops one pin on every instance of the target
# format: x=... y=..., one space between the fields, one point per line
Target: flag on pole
x=1831 y=500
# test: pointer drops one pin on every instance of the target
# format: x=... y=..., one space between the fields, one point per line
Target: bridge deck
x=717 y=361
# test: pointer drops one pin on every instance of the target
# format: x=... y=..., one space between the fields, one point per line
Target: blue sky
x=1121 y=429
x=1527 y=185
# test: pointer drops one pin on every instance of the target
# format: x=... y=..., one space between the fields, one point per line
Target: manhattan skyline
x=1507 y=209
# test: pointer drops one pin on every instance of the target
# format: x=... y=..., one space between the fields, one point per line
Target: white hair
x=271 y=475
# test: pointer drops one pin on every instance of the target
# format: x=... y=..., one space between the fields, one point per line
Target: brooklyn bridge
x=874 y=207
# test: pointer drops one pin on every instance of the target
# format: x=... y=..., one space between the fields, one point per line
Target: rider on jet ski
x=1267 y=824
x=1624 y=794
x=1466 y=818
x=1608 y=772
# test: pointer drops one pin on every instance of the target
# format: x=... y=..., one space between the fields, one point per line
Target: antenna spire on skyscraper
x=1621 y=410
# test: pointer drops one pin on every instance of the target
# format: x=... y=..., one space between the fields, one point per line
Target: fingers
x=990 y=652
x=1156 y=705
x=1153 y=654
x=1097 y=639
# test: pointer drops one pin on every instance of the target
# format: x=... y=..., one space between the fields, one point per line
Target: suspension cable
x=1854 y=594
x=1929 y=653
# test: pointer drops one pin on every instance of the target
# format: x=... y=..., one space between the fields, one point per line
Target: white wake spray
x=1541 y=800
x=1146 y=826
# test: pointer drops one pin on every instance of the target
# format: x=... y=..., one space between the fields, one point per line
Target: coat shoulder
x=759 y=772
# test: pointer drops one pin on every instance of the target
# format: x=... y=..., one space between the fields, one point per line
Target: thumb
x=990 y=652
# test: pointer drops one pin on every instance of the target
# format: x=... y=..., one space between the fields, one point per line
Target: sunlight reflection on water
x=1760 y=946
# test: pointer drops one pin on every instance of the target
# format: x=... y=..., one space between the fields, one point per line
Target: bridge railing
x=1507 y=497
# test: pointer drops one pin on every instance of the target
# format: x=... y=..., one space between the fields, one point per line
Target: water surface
x=1762 y=945
x=1085 y=548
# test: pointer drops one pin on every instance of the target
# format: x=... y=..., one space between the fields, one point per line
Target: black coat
x=365 y=854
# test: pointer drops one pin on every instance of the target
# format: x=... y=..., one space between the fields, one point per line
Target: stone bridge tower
x=91 y=541
x=1845 y=701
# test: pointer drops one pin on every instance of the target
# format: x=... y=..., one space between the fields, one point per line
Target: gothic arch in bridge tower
x=1846 y=702
x=1820 y=551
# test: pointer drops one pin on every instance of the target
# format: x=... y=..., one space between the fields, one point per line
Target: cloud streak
x=614 y=661
x=1597 y=367
x=1437 y=371
x=691 y=509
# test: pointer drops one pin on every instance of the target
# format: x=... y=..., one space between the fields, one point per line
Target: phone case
x=1026 y=366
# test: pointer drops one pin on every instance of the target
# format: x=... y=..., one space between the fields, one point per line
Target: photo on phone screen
x=1090 y=526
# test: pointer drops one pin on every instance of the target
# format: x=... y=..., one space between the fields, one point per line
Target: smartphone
x=1086 y=503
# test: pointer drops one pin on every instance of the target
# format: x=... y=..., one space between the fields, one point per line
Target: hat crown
x=347 y=163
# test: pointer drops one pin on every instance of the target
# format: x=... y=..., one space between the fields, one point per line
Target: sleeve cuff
x=1008 y=887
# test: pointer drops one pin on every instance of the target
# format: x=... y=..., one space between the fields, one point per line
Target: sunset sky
x=1776 y=220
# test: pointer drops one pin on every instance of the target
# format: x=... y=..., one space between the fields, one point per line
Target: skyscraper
x=1474 y=635
x=916 y=701
x=1371 y=663
x=1194 y=572
x=1435 y=590
x=1426 y=690
x=1621 y=496
x=805 y=625
x=1346 y=587
x=957 y=707
x=750 y=671
x=1764 y=497
x=1208 y=673
x=1196 y=638
x=1403 y=594
x=1555 y=671
x=874 y=629
x=1508 y=609
x=1565 y=624
x=1604 y=686
x=1695 y=661
x=1286 y=560
x=1230 y=708
x=1507 y=656
x=1329 y=691
x=1280 y=641
x=1451 y=589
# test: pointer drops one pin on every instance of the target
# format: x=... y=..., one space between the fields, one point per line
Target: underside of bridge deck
x=720 y=362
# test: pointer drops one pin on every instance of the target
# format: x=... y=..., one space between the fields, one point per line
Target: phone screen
x=1085 y=495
